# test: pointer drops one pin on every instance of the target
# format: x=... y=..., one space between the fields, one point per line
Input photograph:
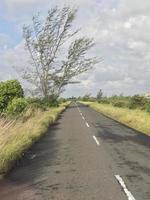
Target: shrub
x=16 y=106
x=62 y=100
x=104 y=101
x=2 y=103
x=147 y=106
x=8 y=91
x=50 y=103
x=31 y=100
x=137 y=102
x=119 y=104
x=43 y=102
x=86 y=97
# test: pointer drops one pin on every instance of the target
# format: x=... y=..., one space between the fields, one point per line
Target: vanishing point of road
x=84 y=156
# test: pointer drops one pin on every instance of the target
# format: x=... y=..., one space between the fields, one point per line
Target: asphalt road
x=79 y=158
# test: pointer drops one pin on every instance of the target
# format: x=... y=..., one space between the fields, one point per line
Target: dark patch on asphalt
x=133 y=177
x=128 y=149
x=42 y=158
x=107 y=134
x=57 y=172
x=137 y=168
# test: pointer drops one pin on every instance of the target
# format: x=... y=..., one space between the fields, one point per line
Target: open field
x=17 y=136
x=137 y=119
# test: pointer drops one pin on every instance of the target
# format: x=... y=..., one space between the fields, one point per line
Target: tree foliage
x=16 y=106
x=8 y=91
x=46 y=40
x=137 y=101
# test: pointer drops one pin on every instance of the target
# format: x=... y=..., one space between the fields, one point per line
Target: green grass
x=136 y=119
x=18 y=136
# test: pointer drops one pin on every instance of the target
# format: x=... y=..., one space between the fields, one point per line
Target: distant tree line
x=131 y=102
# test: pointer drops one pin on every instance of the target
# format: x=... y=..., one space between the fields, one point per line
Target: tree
x=51 y=68
x=99 y=94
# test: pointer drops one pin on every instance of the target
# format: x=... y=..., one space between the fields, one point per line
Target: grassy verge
x=136 y=119
x=18 y=136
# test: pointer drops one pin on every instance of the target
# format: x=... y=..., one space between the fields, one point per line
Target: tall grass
x=137 y=119
x=17 y=136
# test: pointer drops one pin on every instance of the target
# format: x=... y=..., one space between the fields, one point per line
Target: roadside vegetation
x=23 y=121
x=133 y=111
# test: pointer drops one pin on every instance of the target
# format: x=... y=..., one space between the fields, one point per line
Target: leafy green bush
x=147 y=106
x=8 y=91
x=137 y=102
x=104 y=101
x=2 y=103
x=86 y=97
x=16 y=106
x=43 y=102
x=120 y=104
x=50 y=103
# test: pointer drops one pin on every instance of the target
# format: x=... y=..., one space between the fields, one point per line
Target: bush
x=16 y=106
x=2 y=103
x=44 y=102
x=62 y=100
x=104 y=101
x=50 y=103
x=137 y=102
x=8 y=91
x=31 y=100
x=120 y=104
x=147 y=106
x=86 y=97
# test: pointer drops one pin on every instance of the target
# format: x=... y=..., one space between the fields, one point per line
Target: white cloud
x=5 y=41
x=121 y=30
x=134 y=7
x=12 y=59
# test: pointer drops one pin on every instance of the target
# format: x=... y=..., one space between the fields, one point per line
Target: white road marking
x=126 y=191
x=97 y=142
x=87 y=124
x=33 y=156
x=83 y=117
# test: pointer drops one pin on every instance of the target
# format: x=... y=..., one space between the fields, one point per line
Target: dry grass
x=18 y=136
x=137 y=119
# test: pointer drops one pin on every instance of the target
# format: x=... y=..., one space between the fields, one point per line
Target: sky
x=120 y=29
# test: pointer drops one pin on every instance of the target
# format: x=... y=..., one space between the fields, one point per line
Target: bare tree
x=50 y=71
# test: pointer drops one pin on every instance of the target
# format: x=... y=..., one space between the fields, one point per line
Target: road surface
x=84 y=156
